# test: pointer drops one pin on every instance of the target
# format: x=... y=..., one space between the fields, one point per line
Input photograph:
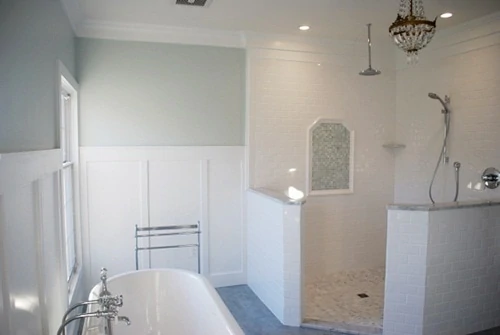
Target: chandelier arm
x=413 y=23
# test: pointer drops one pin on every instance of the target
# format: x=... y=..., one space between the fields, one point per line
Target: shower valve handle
x=491 y=178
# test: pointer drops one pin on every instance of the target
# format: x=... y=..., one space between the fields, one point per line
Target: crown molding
x=476 y=33
x=161 y=34
x=74 y=13
x=290 y=42
x=468 y=31
x=337 y=52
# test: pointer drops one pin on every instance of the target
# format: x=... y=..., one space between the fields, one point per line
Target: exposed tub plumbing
x=108 y=308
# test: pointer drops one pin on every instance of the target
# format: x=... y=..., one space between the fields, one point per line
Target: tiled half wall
x=443 y=271
x=274 y=254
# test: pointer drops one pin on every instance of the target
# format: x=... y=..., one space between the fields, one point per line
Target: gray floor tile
x=254 y=317
x=494 y=331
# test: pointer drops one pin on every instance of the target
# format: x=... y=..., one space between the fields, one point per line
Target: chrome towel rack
x=178 y=230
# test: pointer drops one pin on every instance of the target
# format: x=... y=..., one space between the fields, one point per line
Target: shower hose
x=440 y=159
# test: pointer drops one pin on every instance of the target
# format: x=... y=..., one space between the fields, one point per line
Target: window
x=69 y=190
x=67 y=183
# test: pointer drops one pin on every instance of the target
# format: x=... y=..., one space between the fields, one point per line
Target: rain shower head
x=369 y=71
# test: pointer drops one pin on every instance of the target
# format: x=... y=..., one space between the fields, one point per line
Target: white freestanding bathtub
x=165 y=302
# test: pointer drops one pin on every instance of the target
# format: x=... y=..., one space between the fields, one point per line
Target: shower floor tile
x=338 y=301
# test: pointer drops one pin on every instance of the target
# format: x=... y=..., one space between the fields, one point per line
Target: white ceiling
x=343 y=19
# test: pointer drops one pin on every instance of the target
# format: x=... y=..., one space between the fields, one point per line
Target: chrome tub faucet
x=109 y=306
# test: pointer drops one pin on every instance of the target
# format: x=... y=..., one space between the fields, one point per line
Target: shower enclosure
x=343 y=222
x=316 y=126
x=399 y=136
x=350 y=295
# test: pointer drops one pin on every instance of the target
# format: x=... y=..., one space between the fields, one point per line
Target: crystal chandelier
x=412 y=31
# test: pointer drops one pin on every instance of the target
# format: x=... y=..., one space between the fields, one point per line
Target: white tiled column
x=274 y=254
x=463 y=271
x=292 y=315
x=443 y=269
x=407 y=233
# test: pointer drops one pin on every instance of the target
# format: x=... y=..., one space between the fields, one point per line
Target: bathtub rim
x=134 y=272
x=231 y=323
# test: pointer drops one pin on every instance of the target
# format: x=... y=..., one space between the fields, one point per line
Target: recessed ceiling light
x=446 y=15
x=304 y=28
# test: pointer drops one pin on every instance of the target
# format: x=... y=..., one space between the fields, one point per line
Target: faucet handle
x=109 y=302
x=117 y=301
x=104 y=283
x=104 y=274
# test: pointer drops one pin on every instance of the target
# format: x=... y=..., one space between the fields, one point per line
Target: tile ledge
x=277 y=196
x=444 y=205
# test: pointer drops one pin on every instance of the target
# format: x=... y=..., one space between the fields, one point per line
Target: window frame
x=67 y=84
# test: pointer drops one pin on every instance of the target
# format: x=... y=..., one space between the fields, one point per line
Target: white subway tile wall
x=405 y=272
x=463 y=271
x=443 y=272
x=292 y=249
x=290 y=90
x=274 y=256
x=469 y=75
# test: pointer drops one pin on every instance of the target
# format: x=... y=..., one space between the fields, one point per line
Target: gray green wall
x=139 y=94
x=34 y=34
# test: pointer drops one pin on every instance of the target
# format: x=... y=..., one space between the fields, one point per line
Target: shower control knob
x=491 y=178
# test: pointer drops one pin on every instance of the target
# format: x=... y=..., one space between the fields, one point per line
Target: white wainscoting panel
x=179 y=258
x=175 y=193
x=175 y=198
x=50 y=251
x=114 y=208
x=33 y=288
x=4 y=301
x=227 y=261
x=20 y=242
x=161 y=186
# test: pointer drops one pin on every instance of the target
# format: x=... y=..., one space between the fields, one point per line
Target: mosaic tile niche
x=330 y=158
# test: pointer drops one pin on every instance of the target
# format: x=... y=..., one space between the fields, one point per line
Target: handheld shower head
x=433 y=96
x=444 y=102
